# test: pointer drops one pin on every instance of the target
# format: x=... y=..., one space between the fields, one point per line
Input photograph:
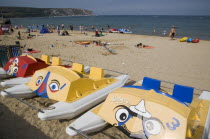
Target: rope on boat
x=84 y=135
x=33 y=107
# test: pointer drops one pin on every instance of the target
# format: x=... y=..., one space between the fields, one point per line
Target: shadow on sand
x=14 y=127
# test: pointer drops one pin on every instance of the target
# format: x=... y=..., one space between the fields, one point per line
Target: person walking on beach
x=172 y=32
x=71 y=28
x=58 y=30
x=19 y=36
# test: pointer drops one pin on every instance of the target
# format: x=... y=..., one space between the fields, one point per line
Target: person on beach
x=85 y=28
x=81 y=27
x=172 y=32
x=71 y=28
x=58 y=27
x=58 y=30
x=19 y=36
x=96 y=33
x=62 y=26
x=102 y=30
x=108 y=27
x=93 y=27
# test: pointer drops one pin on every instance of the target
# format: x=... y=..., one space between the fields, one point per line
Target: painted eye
x=15 y=69
x=54 y=87
x=153 y=127
x=122 y=115
x=16 y=60
x=39 y=80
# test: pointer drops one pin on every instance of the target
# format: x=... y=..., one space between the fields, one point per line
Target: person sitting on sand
x=63 y=33
x=101 y=34
x=139 y=45
x=29 y=36
x=96 y=33
x=66 y=32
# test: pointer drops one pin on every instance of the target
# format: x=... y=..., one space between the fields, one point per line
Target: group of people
x=82 y=29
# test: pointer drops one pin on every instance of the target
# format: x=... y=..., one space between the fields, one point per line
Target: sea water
x=186 y=26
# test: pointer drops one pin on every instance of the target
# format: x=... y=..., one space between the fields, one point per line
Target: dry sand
x=170 y=60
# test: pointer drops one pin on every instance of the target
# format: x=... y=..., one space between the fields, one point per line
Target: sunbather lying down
x=140 y=45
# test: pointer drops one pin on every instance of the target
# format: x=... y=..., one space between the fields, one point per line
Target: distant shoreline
x=13 y=12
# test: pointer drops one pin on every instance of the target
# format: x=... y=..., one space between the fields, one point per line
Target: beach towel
x=34 y=51
x=30 y=52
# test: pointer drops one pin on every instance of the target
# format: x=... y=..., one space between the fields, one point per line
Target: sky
x=122 y=7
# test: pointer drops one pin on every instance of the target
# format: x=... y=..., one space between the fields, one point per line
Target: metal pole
x=24 y=102
x=84 y=135
x=114 y=71
x=104 y=69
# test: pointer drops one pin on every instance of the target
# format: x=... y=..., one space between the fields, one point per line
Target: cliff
x=10 y=12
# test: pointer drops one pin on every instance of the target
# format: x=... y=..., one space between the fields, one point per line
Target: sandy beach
x=170 y=60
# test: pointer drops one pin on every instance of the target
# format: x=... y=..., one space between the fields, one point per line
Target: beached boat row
x=143 y=110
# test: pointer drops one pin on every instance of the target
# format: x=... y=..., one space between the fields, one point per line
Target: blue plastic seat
x=151 y=83
x=148 y=84
x=183 y=93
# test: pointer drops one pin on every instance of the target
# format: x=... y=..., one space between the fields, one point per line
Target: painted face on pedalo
x=50 y=84
x=135 y=121
x=13 y=67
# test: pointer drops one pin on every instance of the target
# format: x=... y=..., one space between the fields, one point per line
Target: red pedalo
x=24 y=66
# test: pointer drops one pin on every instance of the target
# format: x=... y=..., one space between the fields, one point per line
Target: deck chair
x=56 y=61
x=78 y=68
x=46 y=59
x=183 y=93
x=150 y=83
x=96 y=73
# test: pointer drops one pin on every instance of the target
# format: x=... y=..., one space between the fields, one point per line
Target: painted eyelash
x=129 y=111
